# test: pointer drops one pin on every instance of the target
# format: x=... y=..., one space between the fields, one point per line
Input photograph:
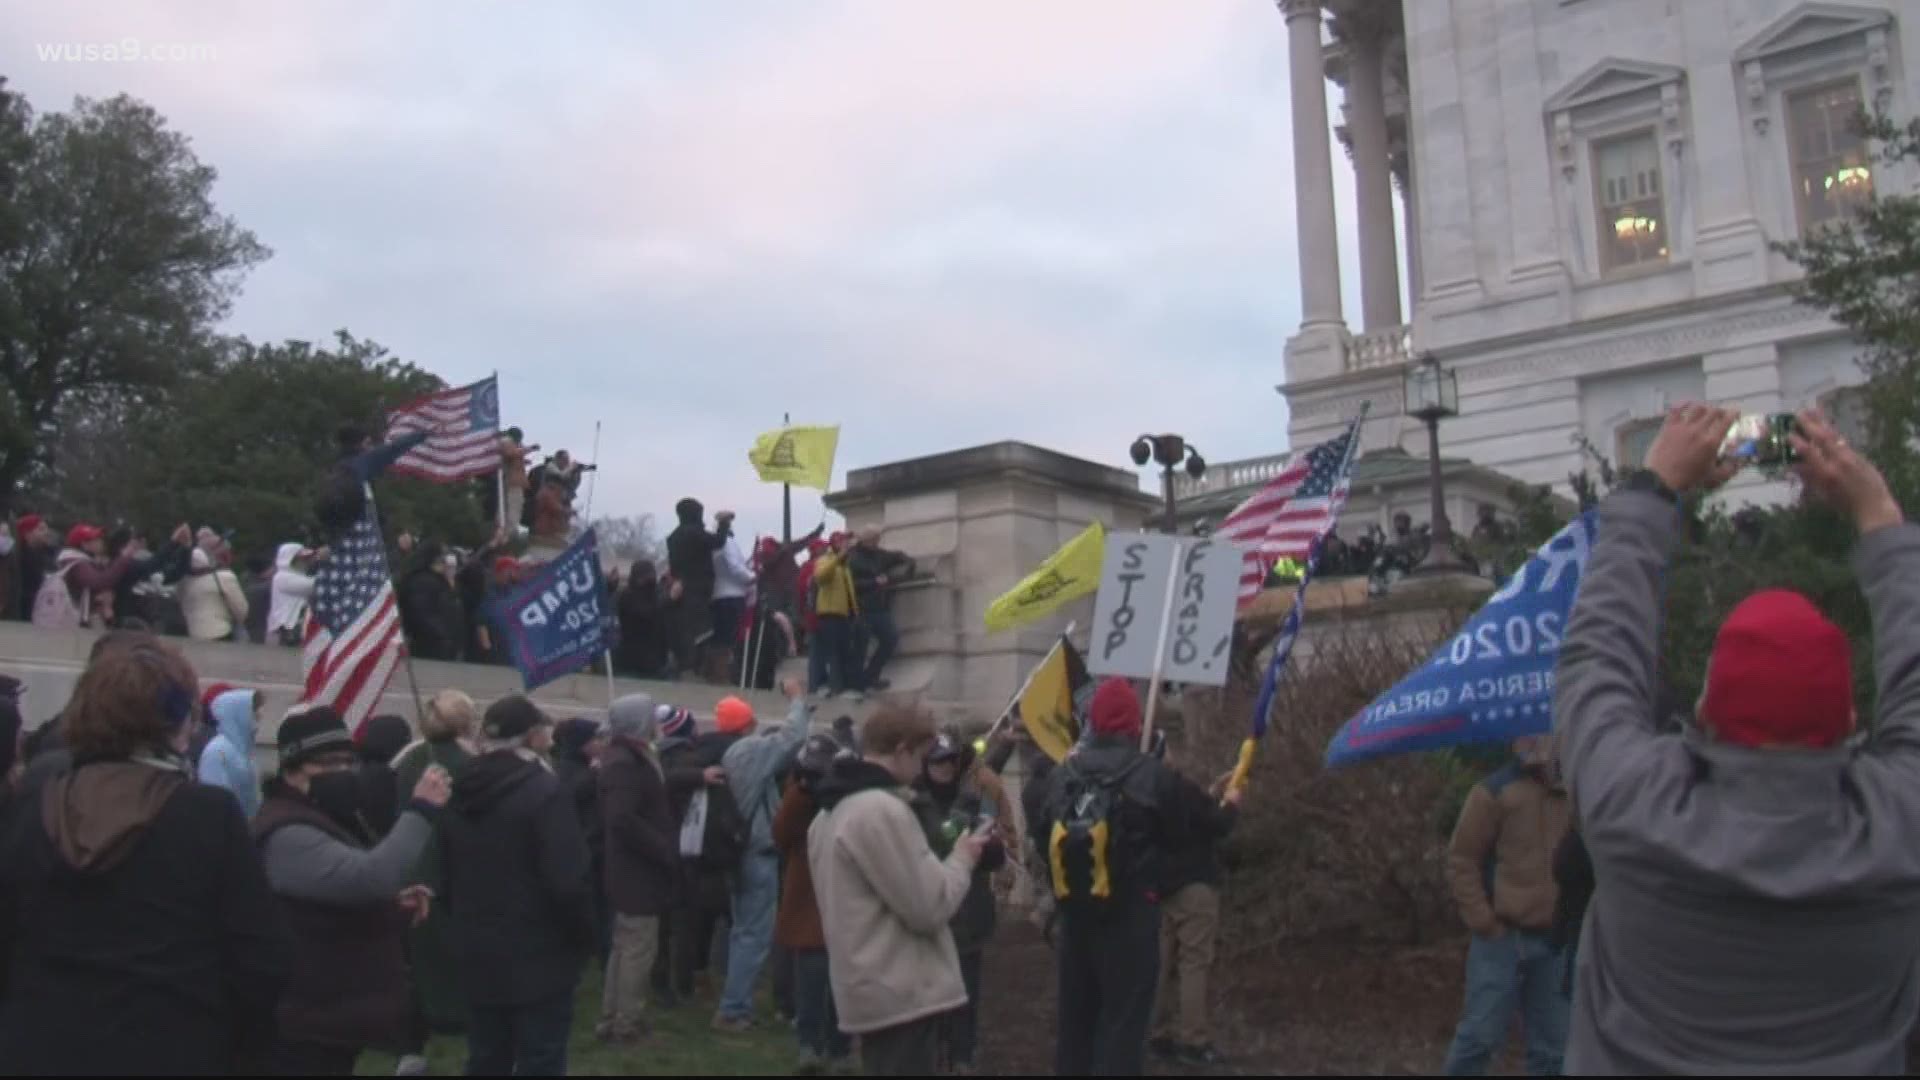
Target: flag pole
x=406 y=647
x=786 y=497
x=1031 y=675
x=499 y=474
x=1160 y=646
x=593 y=478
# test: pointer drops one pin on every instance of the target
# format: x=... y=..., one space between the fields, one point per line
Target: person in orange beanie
x=1758 y=907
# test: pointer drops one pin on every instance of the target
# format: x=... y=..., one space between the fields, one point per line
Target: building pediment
x=1812 y=25
x=1610 y=79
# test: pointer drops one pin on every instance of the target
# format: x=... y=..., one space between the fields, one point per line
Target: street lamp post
x=1169 y=452
x=1433 y=394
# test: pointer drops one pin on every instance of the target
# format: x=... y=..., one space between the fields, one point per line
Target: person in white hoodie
x=292 y=589
x=732 y=580
x=212 y=600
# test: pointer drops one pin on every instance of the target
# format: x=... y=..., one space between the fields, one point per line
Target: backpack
x=53 y=605
x=1083 y=844
x=714 y=834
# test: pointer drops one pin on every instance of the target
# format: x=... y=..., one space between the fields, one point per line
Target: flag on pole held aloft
x=1051 y=706
x=1284 y=519
x=463 y=426
x=1067 y=575
x=801 y=456
x=353 y=641
x=557 y=621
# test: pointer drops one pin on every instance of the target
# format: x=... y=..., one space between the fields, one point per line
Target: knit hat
x=632 y=717
x=380 y=738
x=1115 y=709
x=1780 y=675
x=571 y=736
x=732 y=716
x=310 y=734
x=30 y=522
x=674 y=722
x=83 y=534
x=511 y=717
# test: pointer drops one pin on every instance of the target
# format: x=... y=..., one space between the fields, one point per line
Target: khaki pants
x=1190 y=920
x=636 y=939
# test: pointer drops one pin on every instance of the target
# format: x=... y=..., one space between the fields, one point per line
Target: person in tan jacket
x=1500 y=865
x=886 y=899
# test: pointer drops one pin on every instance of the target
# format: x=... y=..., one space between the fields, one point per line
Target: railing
x=1225 y=475
x=1379 y=348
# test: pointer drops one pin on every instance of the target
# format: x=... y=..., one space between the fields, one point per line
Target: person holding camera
x=953 y=797
x=1757 y=905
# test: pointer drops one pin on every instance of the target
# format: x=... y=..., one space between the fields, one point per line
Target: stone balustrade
x=1379 y=348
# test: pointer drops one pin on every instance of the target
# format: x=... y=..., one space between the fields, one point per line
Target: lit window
x=1633 y=226
x=1631 y=441
x=1832 y=167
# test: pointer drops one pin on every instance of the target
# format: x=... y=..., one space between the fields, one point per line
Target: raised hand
x=1837 y=474
x=1686 y=453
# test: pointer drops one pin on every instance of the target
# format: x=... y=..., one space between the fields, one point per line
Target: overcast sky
x=938 y=225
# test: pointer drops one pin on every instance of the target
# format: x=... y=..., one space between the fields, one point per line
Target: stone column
x=1373 y=182
x=1404 y=156
x=1312 y=169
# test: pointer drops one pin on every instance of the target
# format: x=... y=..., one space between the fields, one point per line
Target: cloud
x=938 y=225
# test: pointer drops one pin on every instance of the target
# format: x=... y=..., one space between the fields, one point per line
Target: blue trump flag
x=557 y=621
x=1494 y=680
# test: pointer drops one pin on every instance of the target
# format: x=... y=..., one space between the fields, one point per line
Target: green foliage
x=114 y=267
x=246 y=444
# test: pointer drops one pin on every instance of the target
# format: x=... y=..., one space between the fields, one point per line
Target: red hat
x=212 y=691
x=30 y=522
x=505 y=564
x=732 y=716
x=1780 y=675
x=817 y=548
x=82 y=534
x=1115 y=709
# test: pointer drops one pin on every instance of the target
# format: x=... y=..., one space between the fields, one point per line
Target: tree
x=245 y=444
x=629 y=539
x=114 y=267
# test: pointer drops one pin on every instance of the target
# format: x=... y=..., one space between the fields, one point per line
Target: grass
x=682 y=1045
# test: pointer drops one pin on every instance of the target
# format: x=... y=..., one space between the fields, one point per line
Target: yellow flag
x=1047 y=706
x=801 y=456
x=1070 y=573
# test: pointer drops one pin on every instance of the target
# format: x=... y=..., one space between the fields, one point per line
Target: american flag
x=353 y=632
x=1287 y=517
x=465 y=426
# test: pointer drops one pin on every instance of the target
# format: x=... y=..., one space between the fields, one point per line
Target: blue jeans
x=828 y=657
x=1519 y=971
x=756 y=893
x=878 y=629
x=814 y=1018
x=528 y=1040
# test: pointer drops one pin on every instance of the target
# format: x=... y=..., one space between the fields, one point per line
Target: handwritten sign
x=557 y=621
x=1493 y=681
x=1133 y=605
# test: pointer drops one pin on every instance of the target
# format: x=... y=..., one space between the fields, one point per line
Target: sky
x=937 y=225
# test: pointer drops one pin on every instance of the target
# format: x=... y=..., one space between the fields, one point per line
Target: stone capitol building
x=1590 y=190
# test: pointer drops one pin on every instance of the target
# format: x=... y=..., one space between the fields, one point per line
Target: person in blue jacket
x=228 y=760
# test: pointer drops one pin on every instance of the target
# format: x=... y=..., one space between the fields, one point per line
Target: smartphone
x=1762 y=439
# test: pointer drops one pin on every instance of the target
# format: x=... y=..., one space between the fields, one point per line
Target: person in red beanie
x=1112 y=815
x=1758 y=899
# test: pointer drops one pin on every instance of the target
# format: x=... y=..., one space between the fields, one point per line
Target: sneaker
x=1162 y=1047
x=733 y=1025
x=411 y=1065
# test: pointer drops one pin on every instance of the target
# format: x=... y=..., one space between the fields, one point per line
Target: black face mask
x=337 y=794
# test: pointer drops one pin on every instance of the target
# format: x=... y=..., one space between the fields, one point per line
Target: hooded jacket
x=754 y=765
x=227 y=762
x=885 y=902
x=430 y=608
x=137 y=933
x=291 y=592
x=946 y=811
x=643 y=847
x=1756 y=911
x=1500 y=860
x=690 y=549
x=517 y=882
x=832 y=585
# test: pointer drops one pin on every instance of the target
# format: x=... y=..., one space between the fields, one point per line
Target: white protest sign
x=1133 y=604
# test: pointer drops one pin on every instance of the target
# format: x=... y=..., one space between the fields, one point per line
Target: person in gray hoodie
x=753 y=767
x=1757 y=900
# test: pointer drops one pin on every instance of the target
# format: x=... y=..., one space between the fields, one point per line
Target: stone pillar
x=1312 y=169
x=1373 y=182
x=1411 y=203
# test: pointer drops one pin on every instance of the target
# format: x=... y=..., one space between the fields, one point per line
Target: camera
x=1762 y=439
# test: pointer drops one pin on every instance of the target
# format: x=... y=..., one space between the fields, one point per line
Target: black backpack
x=1083 y=848
x=724 y=838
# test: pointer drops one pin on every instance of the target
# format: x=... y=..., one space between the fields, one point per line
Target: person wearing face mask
x=1500 y=864
x=346 y=900
x=953 y=801
x=886 y=899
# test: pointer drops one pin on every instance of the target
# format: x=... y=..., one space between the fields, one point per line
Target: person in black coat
x=577 y=744
x=430 y=607
x=138 y=936
x=642 y=861
x=690 y=549
x=376 y=744
x=518 y=895
x=643 y=625
x=692 y=761
x=951 y=805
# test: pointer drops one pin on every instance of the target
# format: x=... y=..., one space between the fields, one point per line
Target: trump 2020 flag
x=1493 y=681
x=556 y=621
